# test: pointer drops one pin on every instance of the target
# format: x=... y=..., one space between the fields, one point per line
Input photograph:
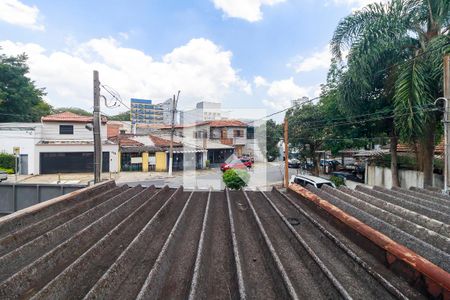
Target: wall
x=22 y=135
x=382 y=176
x=50 y=131
x=161 y=161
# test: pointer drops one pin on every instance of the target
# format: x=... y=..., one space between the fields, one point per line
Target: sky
x=246 y=54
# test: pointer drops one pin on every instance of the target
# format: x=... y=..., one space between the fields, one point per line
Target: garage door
x=70 y=162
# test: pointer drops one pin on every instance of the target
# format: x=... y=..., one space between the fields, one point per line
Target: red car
x=236 y=164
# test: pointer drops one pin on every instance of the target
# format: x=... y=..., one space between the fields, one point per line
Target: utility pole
x=446 y=121
x=96 y=131
x=172 y=131
x=286 y=154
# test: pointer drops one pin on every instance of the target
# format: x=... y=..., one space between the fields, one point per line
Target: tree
x=269 y=142
x=304 y=132
x=75 y=110
x=125 y=116
x=408 y=39
x=20 y=99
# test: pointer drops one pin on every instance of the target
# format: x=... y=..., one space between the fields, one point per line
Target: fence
x=14 y=197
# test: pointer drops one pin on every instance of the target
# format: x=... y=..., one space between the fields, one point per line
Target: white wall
x=382 y=177
x=50 y=131
x=22 y=135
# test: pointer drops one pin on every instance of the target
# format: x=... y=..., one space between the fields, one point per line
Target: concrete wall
x=21 y=135
x=50 y=131
x=382 y=177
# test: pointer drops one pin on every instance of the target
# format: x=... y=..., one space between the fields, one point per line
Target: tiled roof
x=125 y=141
x=161 y=142
x=439 y=148
x=111 y=242
x=227 y=123
x=68 y=116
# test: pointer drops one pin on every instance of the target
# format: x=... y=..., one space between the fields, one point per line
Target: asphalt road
x=261 y=176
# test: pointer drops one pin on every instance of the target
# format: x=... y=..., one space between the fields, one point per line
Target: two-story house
x=61 y=143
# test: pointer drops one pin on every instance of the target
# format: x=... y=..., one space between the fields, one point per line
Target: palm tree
x=395 y=51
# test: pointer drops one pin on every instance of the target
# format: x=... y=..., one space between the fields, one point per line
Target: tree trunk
x=427 y=154
x=316 y=165
x=394 y=160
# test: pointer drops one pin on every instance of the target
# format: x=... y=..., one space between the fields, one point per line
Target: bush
x=9 y=171
x=207 y=164
x=337 y=180
x=7 y=161
x=236 y=179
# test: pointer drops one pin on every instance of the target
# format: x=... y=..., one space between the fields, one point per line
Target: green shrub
x=9 y=171
x=236 y=179
x=7 y=161
x=337 y=180
x=207 y=164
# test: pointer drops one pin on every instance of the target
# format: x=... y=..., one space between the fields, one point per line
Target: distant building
x=204 y=111
x=145 y=112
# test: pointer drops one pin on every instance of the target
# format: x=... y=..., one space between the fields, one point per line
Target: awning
x=189 y=151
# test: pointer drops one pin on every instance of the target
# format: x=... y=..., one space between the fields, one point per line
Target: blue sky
x=244 y=53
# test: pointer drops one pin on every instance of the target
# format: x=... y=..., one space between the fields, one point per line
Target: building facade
x=61 y=143
x=146 y=112
x=204 y=111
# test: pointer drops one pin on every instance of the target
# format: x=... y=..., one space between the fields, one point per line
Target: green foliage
x=406 y=162
x=274 y=133
x=125 y=116
x=8 y=171
x=236 y=179
x=20 y=99
x=208 y=164
x=7 y=161
x=337 y=180
x=75 y=110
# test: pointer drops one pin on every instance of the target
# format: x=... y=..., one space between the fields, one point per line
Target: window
x=65 y=129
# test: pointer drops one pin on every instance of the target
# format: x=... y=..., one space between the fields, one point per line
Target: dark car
x=347 y=176
x=293 y=163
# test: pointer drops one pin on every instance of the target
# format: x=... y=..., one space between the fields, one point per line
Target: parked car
x=305 y=180
x=3 y=176
x=247 y=157
x=293 y=163
x=236 y=164
x=347 y=176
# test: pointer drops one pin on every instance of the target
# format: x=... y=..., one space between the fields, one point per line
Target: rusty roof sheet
x=122 y=242
x=412 y=225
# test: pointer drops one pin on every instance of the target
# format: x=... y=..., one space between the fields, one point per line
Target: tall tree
x=20 y=99
x=408 y=39
x=75 y=110
x=125 y=116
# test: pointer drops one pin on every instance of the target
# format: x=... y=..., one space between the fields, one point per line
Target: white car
x=305 y=180
x=3 y=176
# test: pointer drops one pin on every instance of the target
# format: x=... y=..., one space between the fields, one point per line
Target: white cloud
x=17 y=13
x=200 y=69
x=357 y=4
x=260 y=81
x=318 y=60
x=249 y=10
x=281 y=92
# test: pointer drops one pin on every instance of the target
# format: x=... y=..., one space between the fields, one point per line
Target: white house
x=61 y=143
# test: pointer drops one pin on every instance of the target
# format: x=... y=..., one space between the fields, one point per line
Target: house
x=61 y=143
x=148 y=152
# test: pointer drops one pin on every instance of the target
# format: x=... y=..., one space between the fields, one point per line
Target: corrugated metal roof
x=113 y=242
